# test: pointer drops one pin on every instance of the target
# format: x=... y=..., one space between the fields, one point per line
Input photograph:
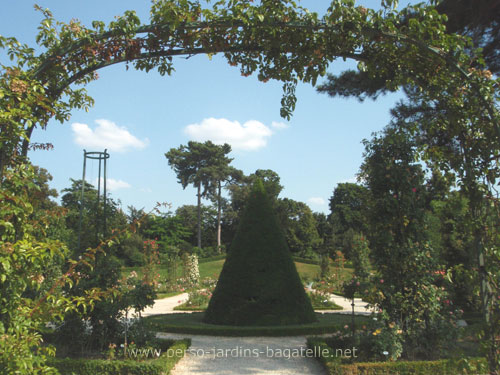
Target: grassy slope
x=211 y=269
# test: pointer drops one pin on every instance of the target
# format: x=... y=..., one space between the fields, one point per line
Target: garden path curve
x=166 y=305
x=209 y=355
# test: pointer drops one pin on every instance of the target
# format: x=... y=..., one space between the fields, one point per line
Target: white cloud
x=318 y=201
x=112 y=184
x=106 y=135
x=279 y=125
x=250 y=136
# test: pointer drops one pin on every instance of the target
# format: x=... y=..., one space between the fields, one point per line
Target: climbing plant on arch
x=281 y=41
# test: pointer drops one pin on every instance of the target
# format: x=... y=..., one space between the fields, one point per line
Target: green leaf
x=5 y=265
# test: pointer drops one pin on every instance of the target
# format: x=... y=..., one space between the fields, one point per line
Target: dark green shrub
x=170 y=356
x=330 y=359
x=259 y=284
x=208 y=252
x=138 y=332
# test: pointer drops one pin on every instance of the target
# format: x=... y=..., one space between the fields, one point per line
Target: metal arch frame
x=102 y=157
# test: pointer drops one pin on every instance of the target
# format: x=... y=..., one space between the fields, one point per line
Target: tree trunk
x=199 y=215
x=2 y=165
x=219 y=214
x=26 y=141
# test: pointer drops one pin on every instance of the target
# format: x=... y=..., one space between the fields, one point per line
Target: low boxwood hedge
x=184 y=307
x=192 y=323
x=327 y=356
x=158 y=366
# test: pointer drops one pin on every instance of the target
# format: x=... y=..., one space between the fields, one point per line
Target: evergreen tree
x=259 y=285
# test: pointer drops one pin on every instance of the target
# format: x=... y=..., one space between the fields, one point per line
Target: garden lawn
x=211 y=269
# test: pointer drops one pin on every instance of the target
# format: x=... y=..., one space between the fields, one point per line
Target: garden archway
x=276 y=40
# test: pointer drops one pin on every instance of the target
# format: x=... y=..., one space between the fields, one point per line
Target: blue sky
x=139 y=116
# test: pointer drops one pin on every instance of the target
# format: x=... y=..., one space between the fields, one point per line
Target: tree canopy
x=205 y=165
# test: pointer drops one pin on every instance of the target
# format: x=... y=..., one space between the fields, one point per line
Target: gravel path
x=360 y=307
x=210 y=355
x=166 y=305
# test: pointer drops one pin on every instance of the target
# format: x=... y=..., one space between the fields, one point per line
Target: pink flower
x=414 y=190
x=381 y=281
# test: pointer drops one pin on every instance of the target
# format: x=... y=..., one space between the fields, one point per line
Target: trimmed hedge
x=159 y=366
x=327 y=356
x=259 y=284
x=183 y=307
x=333 y=307
x=192 y=324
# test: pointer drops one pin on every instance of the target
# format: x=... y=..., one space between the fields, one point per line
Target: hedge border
x=465 y=366
x=308 y=329
x=197 y=309
x=160 y=366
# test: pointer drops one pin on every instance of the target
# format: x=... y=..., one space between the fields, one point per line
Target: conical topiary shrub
x=259 y=284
